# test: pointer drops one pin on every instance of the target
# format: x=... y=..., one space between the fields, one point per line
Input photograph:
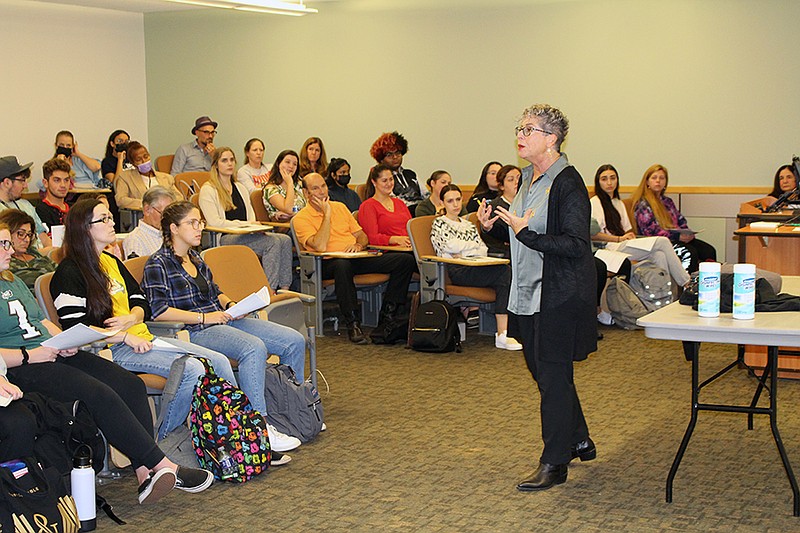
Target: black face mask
x=343 y=180
x=61 y=150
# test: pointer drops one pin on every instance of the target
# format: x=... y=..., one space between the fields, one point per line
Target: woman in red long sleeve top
x=382 y=217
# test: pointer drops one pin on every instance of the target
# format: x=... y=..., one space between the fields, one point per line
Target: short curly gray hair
x=550 y=119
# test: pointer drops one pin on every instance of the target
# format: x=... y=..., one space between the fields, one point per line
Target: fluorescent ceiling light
x=276 y=7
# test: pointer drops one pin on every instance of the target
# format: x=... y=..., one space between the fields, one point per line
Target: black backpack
x=434 y=328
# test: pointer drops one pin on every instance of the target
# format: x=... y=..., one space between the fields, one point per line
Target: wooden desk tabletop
x=286 y=225
x=343 y=255
x=391 y=248
x=780 y=231
x=240 y=231
x=468 y=261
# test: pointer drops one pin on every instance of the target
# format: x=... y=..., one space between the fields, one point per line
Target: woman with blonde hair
x=657 y=215
x=313 y=158
x=225 y=203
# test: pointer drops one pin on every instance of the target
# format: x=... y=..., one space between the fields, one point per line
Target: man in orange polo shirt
x=327 y=226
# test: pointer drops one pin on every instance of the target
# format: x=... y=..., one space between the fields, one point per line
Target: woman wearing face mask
x=337 y=180
x=132 y=184
x=254 y=173
x=116 y=160
x=85 y=169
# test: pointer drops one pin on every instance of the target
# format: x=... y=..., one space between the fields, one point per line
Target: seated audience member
x=180 y=288
x=146 y=238
x=382 y=217
x=13 y=183
x=606 y=270
x=94 y=288
x=487 y=186
x=53 y=208
x=283 y=193
x=389 y=150
x=26 y=261
x=132 y=184
x=326 y=226
x=116 y=398
x=784 y=182
x=338 y=180
x=456 y=237
x=226 y=204
x=254 y=173
x=616 y=230
x=656 y=215
x=114 y=248
x=507 y=182
x=17 y=423
x=432 y=205
x=196 y=155
x=85 y=169
x=313 y=158
x=116 y=160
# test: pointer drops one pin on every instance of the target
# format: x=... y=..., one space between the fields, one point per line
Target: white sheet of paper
x=4 y=400
x=641 y=243
x=254 y=302
x=165 y=346
x=612 y=259
x=57 y=235
x=76 y=336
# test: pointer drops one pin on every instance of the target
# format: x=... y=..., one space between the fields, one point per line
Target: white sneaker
x=501 y=340
x=281 y=442
x=605 y=318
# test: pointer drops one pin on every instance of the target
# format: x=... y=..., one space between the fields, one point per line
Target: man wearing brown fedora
x=13 y=183
x=196 y=155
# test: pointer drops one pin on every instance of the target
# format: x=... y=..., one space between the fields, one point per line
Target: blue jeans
x=159 y=361
x=251 y=341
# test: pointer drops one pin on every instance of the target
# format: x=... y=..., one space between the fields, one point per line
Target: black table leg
x=772 y=363
x=691 y=350
x=761 y=382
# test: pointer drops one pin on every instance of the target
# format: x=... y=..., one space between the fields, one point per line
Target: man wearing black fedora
x=13 y=183
x=196 y=155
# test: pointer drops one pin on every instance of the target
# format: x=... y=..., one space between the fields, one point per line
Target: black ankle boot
x=354 y=332
x=391 y=326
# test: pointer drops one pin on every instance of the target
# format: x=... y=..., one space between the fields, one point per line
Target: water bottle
x=82 y=483
x=744 y=291
x=708 y=290
x=226 y=464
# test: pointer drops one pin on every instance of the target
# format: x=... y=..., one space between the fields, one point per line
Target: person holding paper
x=656 y=215
x=116 y=398
x=180 y=288
x=92 y=287
x=225 y=203
x=616 y=232
x=26 y=262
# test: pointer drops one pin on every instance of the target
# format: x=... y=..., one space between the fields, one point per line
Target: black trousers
x=497 y=277
x=399 y=265
x=563 y=423
x=17 y=432
x=699 y=251
x=116 y=398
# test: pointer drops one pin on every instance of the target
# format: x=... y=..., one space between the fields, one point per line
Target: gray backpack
x=294 y=408
x=623 y=304
x=652 y=285
x=177 y=444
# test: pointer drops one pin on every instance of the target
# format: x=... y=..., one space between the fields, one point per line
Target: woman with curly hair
x=389 y=149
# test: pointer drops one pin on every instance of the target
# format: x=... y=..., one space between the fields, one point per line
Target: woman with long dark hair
x=94 y=288
x=338 y=180
x=616 y=232
x=486 y=187
x=283 y=193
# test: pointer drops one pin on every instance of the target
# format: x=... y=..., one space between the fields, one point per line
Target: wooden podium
x=776 y=249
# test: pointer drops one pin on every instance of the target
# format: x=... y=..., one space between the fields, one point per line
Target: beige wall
x=708 y=88
x=73 y=68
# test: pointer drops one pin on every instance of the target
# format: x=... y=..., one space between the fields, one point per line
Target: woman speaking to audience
x=552 y=302
x=656 y=215
x=616 y=230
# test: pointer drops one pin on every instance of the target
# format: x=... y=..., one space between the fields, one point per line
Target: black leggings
x=17 y=431
x=602 y=274
x=116 y=398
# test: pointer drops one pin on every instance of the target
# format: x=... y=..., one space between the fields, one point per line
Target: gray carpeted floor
x=437 y=442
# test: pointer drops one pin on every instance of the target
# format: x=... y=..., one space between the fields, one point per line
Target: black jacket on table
x=69 y=286
x=568 y=311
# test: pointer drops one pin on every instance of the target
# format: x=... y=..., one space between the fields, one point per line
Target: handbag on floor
x=293 y=408
x=35 y=499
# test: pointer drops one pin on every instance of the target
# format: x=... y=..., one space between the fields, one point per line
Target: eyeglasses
x=196 y=224
x=24 y=180
x=527 y=130
x=207 y=132
x=6 y=245
x=21 y=234
x=105 y=219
